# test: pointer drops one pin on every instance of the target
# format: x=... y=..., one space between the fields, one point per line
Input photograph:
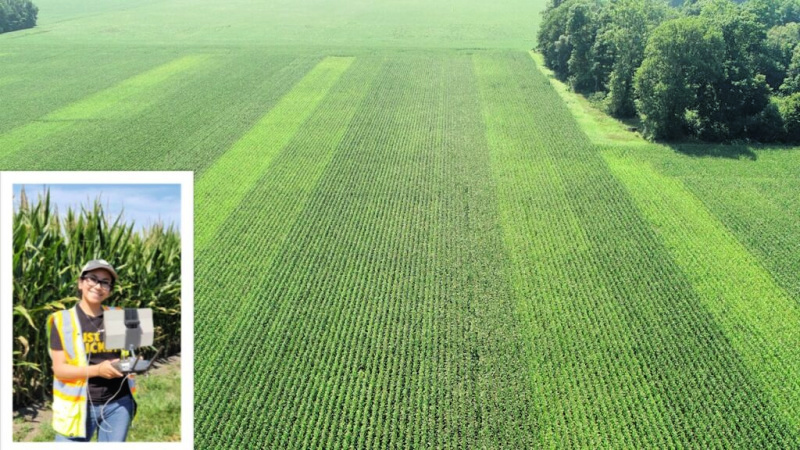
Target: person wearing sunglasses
x=89 y=394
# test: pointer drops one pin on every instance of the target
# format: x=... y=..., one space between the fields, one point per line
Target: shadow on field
x=30 y=413
x=29 y=420
x=729 y=151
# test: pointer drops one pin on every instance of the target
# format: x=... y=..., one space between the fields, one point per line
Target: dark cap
x=99 y=264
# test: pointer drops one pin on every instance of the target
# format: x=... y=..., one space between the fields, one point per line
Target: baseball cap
x=99 y=264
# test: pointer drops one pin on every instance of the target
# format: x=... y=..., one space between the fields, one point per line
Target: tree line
x=711 y=69
x=17 y=15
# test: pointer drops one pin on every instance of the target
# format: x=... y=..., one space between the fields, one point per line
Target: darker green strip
x=272 y=206
x=126 y=96
x=224 y=184
x=381 y=322
x=763 y=214
x=619 y=296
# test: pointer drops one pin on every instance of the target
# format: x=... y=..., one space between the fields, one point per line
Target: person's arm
x=66 y=371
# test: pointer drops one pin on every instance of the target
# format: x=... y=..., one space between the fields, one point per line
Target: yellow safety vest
x=69 y=396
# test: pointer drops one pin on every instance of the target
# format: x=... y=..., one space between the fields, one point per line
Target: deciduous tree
x=683 y=60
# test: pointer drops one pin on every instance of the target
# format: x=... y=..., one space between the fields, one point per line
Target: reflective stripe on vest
x=68 y=391
x=69 y=396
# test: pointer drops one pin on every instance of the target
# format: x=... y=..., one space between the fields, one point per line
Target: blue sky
x=144 y=204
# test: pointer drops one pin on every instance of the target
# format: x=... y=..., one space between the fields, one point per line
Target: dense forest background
x=717 y=70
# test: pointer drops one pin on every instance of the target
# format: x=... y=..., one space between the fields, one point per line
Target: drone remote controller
x=134 y=364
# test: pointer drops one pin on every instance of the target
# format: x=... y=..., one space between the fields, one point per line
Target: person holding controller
x=89 y=393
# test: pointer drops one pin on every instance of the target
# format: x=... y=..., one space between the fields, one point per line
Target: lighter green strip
x=90 y=107
x=226 y=182
x=760 y=320
x=95 y=106
x=7 y=80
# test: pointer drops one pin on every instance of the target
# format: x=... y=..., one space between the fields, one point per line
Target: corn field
x=49 y=251
x=406 y=234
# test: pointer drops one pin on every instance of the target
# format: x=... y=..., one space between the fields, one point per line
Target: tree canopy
x=711 y=69
x=17 y=15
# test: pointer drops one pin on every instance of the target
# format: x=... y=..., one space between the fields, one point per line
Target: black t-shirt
x=100 y=389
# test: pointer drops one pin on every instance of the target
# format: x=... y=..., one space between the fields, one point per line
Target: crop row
x=273 y=205
x=757 y=317
x=233 y=174
x=371 y=329
x=624 y=351
x=124 y=98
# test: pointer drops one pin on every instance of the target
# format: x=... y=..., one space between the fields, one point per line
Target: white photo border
x=186 y=180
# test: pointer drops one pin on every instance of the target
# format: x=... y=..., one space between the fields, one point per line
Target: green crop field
x=406 y=236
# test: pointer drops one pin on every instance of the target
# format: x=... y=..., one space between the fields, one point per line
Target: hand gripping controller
x=134 y=364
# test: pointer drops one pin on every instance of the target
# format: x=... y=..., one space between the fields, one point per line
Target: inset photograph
x=95 y=287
